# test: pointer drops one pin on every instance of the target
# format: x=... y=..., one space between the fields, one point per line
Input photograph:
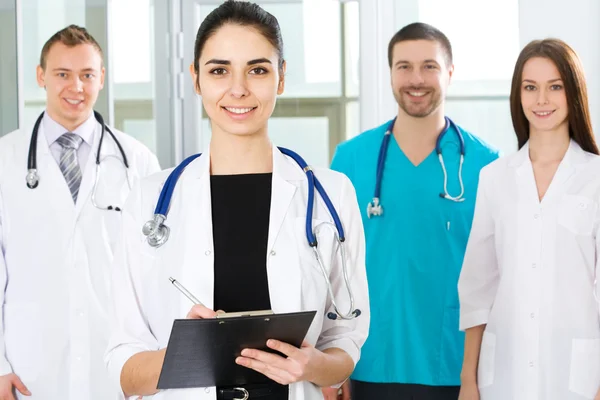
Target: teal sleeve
x=341 y=162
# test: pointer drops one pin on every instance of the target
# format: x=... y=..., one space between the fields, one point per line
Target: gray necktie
x=69 y=164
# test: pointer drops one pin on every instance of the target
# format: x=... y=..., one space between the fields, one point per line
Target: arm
x=348 y=335
x=5 y=367
x=133 y=359
x=473 y=339
x=478 y=281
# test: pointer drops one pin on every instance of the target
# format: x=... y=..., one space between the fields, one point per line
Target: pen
x=185 y=292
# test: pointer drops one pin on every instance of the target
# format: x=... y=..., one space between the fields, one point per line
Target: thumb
x=18 y=384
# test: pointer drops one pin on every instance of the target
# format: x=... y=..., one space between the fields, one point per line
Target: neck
x=240 y=154
x=69 y=125
x=548 y=146
x=419 y=131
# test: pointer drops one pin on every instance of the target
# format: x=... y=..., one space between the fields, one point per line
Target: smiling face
x=73 y=77
x=543 y=95
x=420 y=76
x=239 y=80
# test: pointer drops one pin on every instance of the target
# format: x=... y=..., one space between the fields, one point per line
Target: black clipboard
x=202 y=352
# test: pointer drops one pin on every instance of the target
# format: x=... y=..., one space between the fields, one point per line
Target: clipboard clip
x=258 y=313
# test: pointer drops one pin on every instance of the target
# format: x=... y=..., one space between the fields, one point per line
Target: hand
x=342 y=393
x=597 y=396
x=300 y=365
x=200 y=312
x=469 y=391
x=6 y=387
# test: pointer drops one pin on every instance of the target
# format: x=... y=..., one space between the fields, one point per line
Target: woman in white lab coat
x=527 y=287
x=238 y=239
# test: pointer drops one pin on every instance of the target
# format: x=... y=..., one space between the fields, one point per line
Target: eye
x=529 y=88
x=259 y=71
x=62 y=74
x=218 y=71
x=88 y=76
x=430 y=66
x=556 y=87
x=402 y=66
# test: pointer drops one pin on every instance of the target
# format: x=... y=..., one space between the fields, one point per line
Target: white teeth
x=543 y=114
x=238 y=110
x=74 y=102
x=417 y=94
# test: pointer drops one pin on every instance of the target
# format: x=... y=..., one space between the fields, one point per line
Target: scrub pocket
x=584 y=374
x=487 y=360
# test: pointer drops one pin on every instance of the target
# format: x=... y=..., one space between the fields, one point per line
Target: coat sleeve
x=348 y=335
x=5 y=367
x=479 y=278
x=129 y=330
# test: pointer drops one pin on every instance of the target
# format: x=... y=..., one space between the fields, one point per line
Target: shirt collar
x=53 y=130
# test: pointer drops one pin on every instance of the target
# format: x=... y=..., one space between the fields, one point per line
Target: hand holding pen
x=199 y=310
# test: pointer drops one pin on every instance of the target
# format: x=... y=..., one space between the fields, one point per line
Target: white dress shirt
x=53 y=130
x=529 y=273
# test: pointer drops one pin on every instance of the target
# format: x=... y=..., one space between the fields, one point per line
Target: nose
x=76 y=84
x=542 y=97
x=416 y=77
x=239 y=85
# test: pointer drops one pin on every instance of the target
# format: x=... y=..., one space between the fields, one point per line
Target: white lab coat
x=55 y=265
x=146 y=303
x=528 y=274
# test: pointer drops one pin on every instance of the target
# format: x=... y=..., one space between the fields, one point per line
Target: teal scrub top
x=414 y=255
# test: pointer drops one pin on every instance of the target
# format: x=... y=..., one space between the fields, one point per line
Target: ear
x=450 y=72
x=39 y=72
x=102 y=73
x=281 y=84
x=194 y=76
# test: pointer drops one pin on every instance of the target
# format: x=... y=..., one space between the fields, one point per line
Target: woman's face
x=543 y=96
x=238 y=79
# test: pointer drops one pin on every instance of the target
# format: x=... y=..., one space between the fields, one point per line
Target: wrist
x=468 y=378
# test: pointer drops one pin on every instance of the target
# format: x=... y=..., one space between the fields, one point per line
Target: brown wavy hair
x=571 y=72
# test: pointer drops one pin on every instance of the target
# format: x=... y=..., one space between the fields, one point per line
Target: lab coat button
x=207 y=253
x=207 y=390
x=79 y=358
x=80 y=313
x=273 y=252
x=533 y=265
x=536 y=216
x=532 y=315
x=531 y=364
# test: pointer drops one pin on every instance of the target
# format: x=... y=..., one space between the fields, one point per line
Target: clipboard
x=202 y=352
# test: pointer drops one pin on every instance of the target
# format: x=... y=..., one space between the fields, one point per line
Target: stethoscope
x=157 y=233
x=33 y=178
x=374 y=207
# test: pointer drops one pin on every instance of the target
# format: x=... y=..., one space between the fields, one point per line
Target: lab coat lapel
x=89 y=171
x=563 y=173
x=198 y=267
x=282 y=260
x=525 y=177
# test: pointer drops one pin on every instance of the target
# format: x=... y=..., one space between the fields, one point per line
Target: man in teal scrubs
x=415 y=247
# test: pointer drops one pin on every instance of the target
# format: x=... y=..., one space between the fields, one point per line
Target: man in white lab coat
x=58 y=224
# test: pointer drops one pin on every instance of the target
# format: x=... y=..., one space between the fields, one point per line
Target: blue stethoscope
x=157 y=233
x=375 y=209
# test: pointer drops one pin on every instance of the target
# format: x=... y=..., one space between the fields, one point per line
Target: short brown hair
x=70 y=36
x=421 y=31
x=571 y=72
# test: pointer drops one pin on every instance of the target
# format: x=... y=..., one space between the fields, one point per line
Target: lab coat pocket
x=487 y=360
x=23 y=340
x=576 y=214
x=584 y=374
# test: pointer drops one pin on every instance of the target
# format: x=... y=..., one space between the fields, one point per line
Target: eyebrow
x=68 y=70
x=227 y=62
x=424 y=62
x=550 y=81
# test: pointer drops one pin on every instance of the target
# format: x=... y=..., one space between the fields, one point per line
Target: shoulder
x=367 y=138
x=482 y=149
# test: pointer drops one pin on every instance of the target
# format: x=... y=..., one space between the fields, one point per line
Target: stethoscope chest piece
x=32 y=179
x=156 y=232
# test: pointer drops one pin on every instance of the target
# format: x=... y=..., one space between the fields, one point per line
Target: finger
x=200 y=312
x=279 y=375
x=345 y=393
x=285 y=348
x=18 y=384
x=266 y=357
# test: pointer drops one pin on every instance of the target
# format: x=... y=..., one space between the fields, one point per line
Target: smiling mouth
x=417 y=94
x=239 y=110
x=74 y=102
x=543 y=113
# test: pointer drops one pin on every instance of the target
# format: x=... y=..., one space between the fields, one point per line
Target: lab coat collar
x=574 y=156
